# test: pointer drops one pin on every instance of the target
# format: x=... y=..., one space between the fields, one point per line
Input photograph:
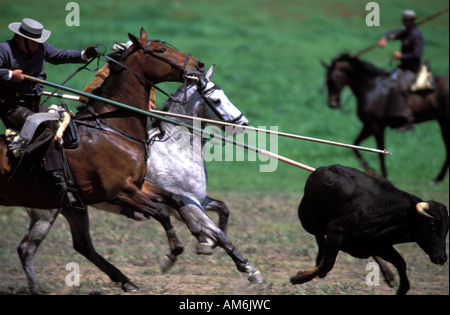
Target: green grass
x=268 y=61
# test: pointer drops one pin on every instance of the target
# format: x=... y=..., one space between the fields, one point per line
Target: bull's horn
x=421 y=207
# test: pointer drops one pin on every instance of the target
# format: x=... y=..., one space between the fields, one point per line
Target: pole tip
x=387 y=152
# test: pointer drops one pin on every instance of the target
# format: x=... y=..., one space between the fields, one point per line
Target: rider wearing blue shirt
x=27 y=53
x=410 y=61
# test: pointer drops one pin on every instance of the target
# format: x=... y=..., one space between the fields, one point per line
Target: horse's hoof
x=129 y=287
x=255 y=277
x=205 y=249
x=165 y=262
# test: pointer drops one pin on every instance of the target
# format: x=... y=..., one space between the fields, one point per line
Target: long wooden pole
x=424 y=20
x=195 y=129
x=278 y=133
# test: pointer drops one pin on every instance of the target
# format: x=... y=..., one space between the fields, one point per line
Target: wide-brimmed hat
x=409 y=14
x=30 y=29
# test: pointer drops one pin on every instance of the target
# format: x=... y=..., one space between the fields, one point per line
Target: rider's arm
x=391 y=35
x=60 y=56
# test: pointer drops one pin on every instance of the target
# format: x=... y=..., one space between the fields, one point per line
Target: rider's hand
x=382 y=42
x=90 y=52
x=397 y=55
x=17 y=76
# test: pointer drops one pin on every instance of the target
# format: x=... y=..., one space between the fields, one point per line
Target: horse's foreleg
x=221 y=208
x=79 y=226
x=445 y=130
x=40 y=223
x=206 y=247
x=379 y=138
x=143 y=201
x=200 y=224
x=155 y=193
x=363 y=135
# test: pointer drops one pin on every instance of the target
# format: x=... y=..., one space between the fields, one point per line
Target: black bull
x=364 y=216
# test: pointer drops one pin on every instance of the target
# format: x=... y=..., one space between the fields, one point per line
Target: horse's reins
x=145 y=81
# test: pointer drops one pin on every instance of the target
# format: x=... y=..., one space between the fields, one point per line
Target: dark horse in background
x=371 y=87
x=109 y=165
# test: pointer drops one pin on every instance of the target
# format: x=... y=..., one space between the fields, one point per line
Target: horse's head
x=336 y=80
x=159 y=62
x=210 y=102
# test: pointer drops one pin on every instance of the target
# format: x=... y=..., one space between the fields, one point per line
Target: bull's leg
x=331 y=249
x=391 y=255
x=321 y=243
x=79 y=226
x=40 y=223
x=388 y=275
x=200 y=224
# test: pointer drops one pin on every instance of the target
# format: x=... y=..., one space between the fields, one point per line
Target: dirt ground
x=264 y=227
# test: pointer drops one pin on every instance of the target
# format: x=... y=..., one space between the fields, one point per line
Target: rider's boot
x=65 y=197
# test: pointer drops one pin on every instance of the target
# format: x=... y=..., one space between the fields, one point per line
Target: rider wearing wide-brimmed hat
x=26 y=53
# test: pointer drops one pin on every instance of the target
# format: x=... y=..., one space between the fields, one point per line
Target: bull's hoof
x=130 y=287
x=298 y=278
x=165 y=262
x=255 y=277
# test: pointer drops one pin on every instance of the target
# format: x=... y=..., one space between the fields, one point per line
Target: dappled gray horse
x=182 y=168
x=176 y=162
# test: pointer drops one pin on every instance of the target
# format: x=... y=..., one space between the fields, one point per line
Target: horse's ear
x=134 y=39
x=324 y=64
x=143 y=33
x=210 y=72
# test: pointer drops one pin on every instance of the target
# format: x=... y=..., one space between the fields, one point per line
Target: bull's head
x=431 y=228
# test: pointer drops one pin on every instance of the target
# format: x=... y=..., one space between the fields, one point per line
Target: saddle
x=65 y=136
x=424 y=80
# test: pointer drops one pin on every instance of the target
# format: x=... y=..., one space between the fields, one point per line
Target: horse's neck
x=362 y=83
x=124 y=87
x=176 y=108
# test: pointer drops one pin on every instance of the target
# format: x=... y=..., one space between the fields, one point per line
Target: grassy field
x=263 y=227
x=268 y=62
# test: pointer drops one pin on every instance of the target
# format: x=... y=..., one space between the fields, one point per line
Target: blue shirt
x=12 y=58
x=412 y=47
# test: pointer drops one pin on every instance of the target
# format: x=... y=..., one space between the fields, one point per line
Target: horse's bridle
x=140 y=76
x=204 y=95
x=170 y=62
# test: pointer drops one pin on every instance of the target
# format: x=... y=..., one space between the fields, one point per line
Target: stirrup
x=17 y=146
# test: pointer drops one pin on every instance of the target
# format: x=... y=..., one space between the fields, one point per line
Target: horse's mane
x=360 y=66
x=117 y=55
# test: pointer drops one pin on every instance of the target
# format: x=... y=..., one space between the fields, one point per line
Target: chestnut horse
x=109 y=165
x=371 y=87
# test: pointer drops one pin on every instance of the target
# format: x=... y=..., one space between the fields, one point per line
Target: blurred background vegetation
x=268 y=62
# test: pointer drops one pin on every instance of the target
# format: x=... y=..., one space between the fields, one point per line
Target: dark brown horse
x=109 y=165
x=372 y=87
